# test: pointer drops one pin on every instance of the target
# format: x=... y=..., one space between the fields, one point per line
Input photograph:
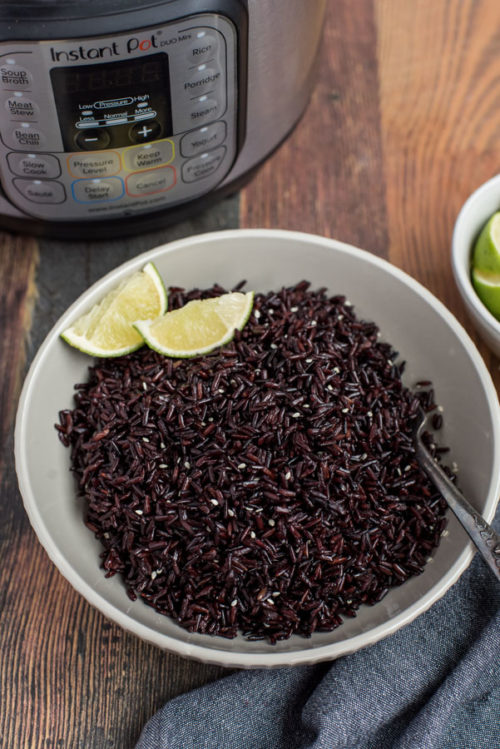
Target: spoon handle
x=485 y=538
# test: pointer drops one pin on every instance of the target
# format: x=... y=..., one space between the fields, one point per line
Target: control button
x=204 y=110
x=203 y=80
x=148 y=156
x=40 y=191
x=42 y=165
x=142 y=132
x=97 y=190
x=21 y=108
x=204 y=47
x=151 y=181
x=89 y=140
x=94 y=165
x=203 y=139
x=14 y=76
x=26 y=135
x=204 y=165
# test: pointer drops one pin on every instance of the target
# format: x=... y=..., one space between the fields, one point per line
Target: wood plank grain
x=439 y=73
x=18 y=262
x=68 y=676
x=328 y=177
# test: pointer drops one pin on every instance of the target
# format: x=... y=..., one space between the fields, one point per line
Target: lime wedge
x=107 y=329
x=487 y=286
x=486 y=253
x=199 y=327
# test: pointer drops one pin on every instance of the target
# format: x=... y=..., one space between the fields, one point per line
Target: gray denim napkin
x=435 y=684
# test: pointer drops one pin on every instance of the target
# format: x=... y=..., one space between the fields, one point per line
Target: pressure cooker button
x=144 y=131
x=40 y=191
x=198 y=141
x=204 y=110
x=34 y=165
x=151 y=181
x=97 y=190
x=28 y=136
x=204 y=47
x=204 y=165
x=14 y=76
x=149 y=155
x=102 y=164
x=93 y=140
x=21 y=108
x=205 y=79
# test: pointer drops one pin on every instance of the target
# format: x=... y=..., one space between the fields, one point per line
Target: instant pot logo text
x=116 y=49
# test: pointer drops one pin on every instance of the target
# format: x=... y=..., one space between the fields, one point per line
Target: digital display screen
x=113 y=97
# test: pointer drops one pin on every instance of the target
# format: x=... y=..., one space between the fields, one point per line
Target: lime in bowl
x=476 y=260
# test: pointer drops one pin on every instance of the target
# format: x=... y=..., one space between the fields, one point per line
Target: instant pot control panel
x=117 y=125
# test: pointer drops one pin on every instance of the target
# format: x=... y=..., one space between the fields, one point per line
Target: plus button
x=141 y=132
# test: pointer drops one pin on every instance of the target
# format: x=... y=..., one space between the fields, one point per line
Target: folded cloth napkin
x=435 y=684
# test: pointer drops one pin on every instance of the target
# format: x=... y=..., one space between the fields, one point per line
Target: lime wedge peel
x=485 y=269
x=198 y=328
x=107 y=329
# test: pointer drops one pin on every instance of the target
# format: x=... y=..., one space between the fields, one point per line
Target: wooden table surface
x=403 y=125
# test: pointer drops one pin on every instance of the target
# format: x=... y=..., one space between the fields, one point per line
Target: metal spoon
x=485 y=538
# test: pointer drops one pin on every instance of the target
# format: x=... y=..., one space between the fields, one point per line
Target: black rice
x=269 y=488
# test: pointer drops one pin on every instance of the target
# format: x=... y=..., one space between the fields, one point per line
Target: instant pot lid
x=54 y=19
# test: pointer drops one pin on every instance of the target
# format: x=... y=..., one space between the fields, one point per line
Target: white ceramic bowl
x=427 y=336
x=475 y=212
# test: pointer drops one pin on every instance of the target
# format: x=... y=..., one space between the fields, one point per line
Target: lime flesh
x=199 y=327
x=107 y=329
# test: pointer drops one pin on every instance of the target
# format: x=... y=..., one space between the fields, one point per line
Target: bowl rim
x=461 y=259
x=228 y=658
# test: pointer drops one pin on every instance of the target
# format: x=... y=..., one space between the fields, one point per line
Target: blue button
x=97 y=190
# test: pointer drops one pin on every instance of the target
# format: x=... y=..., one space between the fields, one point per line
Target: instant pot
x=120 y=115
